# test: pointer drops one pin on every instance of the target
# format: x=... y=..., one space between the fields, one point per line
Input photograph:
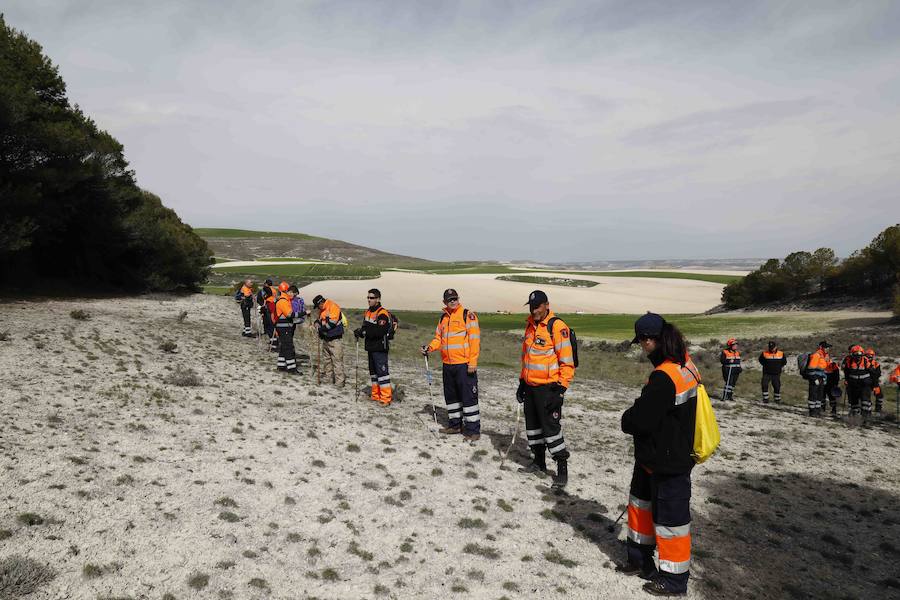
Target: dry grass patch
x=21 y=576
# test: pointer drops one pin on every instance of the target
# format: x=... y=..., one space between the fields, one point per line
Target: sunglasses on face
x=451 y=300
x=372 y=297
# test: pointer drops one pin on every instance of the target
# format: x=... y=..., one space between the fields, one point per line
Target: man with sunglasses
x=458 y=336
x=375 y=329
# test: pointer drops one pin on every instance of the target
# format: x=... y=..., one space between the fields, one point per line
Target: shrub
x=80 y=315
x=183 y=377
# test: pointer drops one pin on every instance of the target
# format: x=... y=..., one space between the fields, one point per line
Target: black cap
x=450 y=294
x=772 y=343
x=536 y=298
x=650 y=325
x=317 y=299
x=268 y=281
x=824 y=344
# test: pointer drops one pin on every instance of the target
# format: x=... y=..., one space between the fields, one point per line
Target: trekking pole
x=356 y=374
x=319 y=361
x=612 y=527
x=430 y=393
x=515 y=433
x=897 y=404
x=727 y=383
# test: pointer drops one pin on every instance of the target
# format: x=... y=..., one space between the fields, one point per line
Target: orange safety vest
x=777 y=355
x=330 y=311
x=732 y=358
x=458 y=335
x=684 y=378
x=547 y=356
x=895 y=375
x=284 y=311
x=247 y=292
x=818 y=364
x=856 y=369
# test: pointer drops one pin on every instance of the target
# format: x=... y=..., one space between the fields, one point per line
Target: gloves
x=520 y=391
x=424 y=350
x=817 y=381
x=359 y=333
x=559 y=389
x=259 y=309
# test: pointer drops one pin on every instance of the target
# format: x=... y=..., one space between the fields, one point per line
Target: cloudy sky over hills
x=510 y=130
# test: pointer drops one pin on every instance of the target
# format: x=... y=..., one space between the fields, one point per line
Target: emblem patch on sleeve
x=565 y=333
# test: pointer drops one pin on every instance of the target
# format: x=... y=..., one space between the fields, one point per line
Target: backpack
x=395 y=325
x=706 y=429
x=572 y=337
x=803 y=364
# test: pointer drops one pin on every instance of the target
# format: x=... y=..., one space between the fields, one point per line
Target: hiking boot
x=294 y=372
x=534 y=467
x=561 y=479
x=657 y=588
x=631 y=569
x=472 y=437
x=450 y=430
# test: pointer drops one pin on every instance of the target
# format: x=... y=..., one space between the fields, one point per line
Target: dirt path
x=255 y=486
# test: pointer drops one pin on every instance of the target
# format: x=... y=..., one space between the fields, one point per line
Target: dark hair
x=671 y=344
x=294 y=289
x=375 y=292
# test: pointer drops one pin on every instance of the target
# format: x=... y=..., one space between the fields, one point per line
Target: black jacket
x=375 y=334
x=663 y=432
x=771 y=365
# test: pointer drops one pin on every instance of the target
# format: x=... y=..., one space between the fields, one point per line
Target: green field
x=285 y=259
x=483 y=269
x=561 y=281
x=303 y=271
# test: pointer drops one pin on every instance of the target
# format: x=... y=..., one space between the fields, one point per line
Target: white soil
x=126 y=470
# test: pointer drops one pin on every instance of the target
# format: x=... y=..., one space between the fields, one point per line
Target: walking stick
x=612 y=527
x=430 y=393
x=319 y=361
x=727 y=383
x=897 y=404
x=515 y=433
x=356 y=373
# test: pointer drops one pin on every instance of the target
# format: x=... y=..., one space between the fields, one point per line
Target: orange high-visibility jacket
x=684 y=378
x=330 y=315
x=895 y=375
x=857 y=370
x=247 y=292
x=730 y=358
x=284 y=311
x=547 y=358
x=458 y=335
x=818 y=364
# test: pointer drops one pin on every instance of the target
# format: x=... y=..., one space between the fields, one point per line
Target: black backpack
x=572 y=337
x=395 y=325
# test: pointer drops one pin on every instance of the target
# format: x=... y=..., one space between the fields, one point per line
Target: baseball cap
x=450 y=294
x=317 y=299
x=824 y=344
x=536 y=298
x=649 y=325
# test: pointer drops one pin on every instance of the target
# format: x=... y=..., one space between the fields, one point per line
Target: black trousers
x=543 y=412
x=860 y=398
x=245 y=312
x=730 y=377
x=775 y=379
x=816 y=398
x=286 y=357
x=461 y=397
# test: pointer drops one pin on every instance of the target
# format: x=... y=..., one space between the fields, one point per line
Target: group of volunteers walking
x=661 y=421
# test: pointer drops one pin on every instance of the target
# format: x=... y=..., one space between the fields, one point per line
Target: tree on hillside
x=871 y=271
x=71 y=207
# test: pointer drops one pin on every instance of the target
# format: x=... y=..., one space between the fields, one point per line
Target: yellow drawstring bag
x=706 y=430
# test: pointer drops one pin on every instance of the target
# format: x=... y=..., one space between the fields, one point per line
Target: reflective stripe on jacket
x=895 y=375
x=547 y=357
x=458 y=338
x=284 y=313
x=730 y=358
x=857 y=370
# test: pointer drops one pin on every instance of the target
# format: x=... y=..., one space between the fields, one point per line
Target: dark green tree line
x=71 y=209
x=871 y=271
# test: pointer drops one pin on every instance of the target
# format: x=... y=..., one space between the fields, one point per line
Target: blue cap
x=536 y=298
x=650 y=325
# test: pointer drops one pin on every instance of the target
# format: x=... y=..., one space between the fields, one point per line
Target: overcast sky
x=501 y=129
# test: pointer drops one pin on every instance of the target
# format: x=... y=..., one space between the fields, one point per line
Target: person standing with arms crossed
x=458 y=336
x=548 y=366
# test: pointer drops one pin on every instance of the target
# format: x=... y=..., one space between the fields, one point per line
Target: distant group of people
x=861 y=371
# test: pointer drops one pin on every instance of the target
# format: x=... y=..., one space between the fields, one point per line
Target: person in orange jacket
x=330 y=327
x=817 y=376
x=731 y=367
x=458 y=336
x=375 y=333
x=876 y=381
x=265 y=304
x=284 y=329
x=858 y=377
x=244 y=297
x=548 y=366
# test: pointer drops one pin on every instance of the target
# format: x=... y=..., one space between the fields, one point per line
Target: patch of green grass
x=555 y=557
x=543 y=280
x=303 y=271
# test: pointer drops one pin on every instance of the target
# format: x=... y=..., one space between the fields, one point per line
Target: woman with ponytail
x=661 y=421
